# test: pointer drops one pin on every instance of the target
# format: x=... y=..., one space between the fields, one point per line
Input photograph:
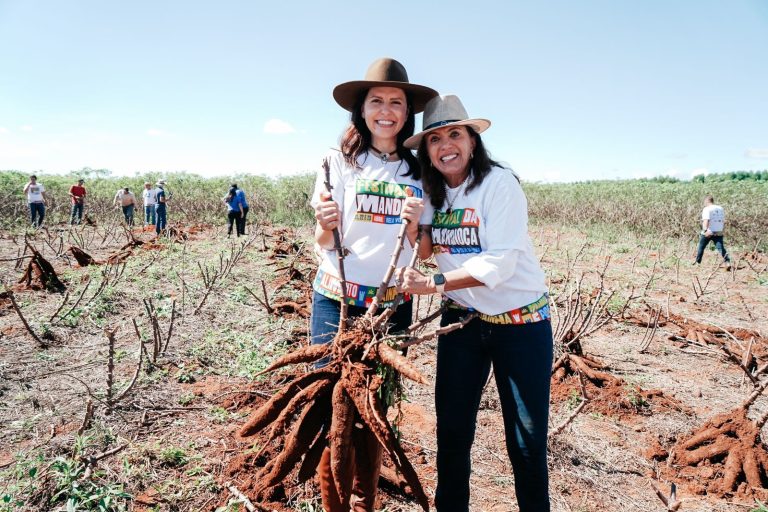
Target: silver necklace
x=459 y=191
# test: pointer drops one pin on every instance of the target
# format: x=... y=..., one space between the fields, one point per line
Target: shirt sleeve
x=504 y=208
x=705 y=214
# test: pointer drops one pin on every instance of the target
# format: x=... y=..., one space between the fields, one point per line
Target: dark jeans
x=128 y=214
x=36 y=214
x=149 y=214
x=324 y=322
x=77 y=213
x=521 y=356
x=161 y=214
x=241 y=222
x=233 y=217
x=704 y=242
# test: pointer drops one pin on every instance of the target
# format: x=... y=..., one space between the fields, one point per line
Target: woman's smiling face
x=450 y=150
x=385 y=111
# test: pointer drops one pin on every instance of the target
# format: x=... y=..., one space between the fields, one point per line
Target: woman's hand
x=411 y=212
x=410 y=280
x=327 y=212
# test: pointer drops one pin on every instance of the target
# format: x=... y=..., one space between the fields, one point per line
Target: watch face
x=439 y=279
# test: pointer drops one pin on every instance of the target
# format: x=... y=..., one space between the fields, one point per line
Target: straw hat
x=384 y=72
x=445 y=110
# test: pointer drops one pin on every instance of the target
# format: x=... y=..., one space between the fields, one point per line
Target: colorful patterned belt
x=357 y=294
x=534 y=312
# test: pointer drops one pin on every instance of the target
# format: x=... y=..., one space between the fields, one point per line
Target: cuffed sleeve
x=506 y=214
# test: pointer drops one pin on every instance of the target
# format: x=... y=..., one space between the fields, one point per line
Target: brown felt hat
x=384 y=72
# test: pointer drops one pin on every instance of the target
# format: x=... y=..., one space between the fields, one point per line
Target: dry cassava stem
x=387 y=314
x=16 y=308
x=383 y=286
x=110 y=334
x=439 y=332
x=339 y=253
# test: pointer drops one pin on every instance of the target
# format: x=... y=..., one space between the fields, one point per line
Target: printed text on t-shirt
x=382 y=201
x=456 y=232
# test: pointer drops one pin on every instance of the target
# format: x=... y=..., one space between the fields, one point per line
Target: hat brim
x=479 y=125
x=347 y=93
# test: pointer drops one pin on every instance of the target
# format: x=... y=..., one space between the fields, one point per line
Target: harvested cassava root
x=318 y=409
x=725 y=456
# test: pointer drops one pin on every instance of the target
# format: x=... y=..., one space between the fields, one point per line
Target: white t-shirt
x=486 y=233
x=715 y=214
x=35 y=193
x=370 y=199
x=149 y=197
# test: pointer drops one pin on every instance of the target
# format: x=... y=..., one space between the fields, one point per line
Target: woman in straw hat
x=487 y=267
x=375 y=184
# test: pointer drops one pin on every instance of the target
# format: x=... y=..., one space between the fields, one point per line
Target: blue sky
x=575 y=90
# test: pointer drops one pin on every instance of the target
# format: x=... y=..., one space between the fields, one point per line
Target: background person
x=77 y=194
x=36 y=200
x=712 y=226
x=479 y=237
x=161 y=213
x=243 y=204
x=149 y=200
x=234 y=210
x=371 y=168
x=127 y=201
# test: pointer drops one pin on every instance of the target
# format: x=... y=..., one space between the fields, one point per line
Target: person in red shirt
x=77 y=193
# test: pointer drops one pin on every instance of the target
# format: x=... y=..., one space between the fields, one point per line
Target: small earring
x=472 y=155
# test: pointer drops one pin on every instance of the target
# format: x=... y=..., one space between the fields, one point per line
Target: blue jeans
x=128 y=214
x=160 y=212
x=704 y=242
x=77 y=213
x=521 y=356
x=324 y=322
x=149 y=214
x=36 y=214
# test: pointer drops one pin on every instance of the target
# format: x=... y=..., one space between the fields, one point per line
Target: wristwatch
x=439 y=280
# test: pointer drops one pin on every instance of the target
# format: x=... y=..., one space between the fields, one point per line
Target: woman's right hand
x=327 y=212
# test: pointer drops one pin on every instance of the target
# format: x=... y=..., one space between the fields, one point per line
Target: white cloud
x=700 y=171
x=154 y=132
x=26 y=128
x=3 y=130
x=760 y=153
x=278 y=127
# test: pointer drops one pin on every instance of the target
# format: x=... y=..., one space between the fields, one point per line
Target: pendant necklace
x=384 y=156
x=459 y=191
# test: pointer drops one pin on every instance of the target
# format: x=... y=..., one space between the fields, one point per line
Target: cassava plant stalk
x=339 y=252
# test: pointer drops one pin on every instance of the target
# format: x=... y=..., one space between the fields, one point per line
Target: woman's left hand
x=411 y=212
x=410 y=280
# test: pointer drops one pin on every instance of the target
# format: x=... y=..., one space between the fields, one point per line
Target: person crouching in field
x=125 y=199
x=487 y=265
x=371 y=167
x=77 y=194
x=36 y=197
x=712 y=227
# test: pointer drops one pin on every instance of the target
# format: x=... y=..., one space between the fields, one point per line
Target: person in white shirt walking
x=712 y=226
x=149 y=197
x=36 y=200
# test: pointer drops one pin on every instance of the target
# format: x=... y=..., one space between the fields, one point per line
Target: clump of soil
x=40 y=274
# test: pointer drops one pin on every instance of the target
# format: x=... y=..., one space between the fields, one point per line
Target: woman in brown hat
x=479 y=237
x=376 y=186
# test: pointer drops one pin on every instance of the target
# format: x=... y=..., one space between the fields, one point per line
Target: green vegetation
x=658 y=207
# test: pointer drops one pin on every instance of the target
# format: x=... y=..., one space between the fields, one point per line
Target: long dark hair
x=479 y=166
x=356 y=139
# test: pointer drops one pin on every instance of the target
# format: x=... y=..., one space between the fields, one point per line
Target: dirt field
x=658 y=342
